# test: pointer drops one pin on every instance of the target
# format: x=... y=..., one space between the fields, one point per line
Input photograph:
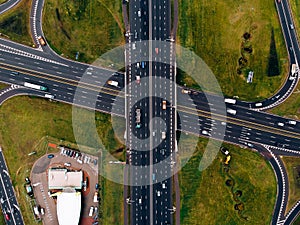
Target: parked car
x=91 y=212
x=96 y=186
x=27 y=180
x=50 y=156
x=29 y=190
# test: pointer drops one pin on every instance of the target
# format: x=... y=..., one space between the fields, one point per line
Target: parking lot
x=73 y=161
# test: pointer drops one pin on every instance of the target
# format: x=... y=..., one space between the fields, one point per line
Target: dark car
x=97 y=186
x=29 y=190
x=50 y=156
x=27 y=180
x=280 y=145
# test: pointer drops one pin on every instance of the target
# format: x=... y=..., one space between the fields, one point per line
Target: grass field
x=205 y=198
x=295 y=6
x=14 y=24
x=88 y=27
x=2 y=1
x=291 y=164
x=290 y=108
x=214 y=31
x=25 y=121
x=2 y=85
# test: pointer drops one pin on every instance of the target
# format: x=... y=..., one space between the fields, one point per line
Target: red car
x=6 y=215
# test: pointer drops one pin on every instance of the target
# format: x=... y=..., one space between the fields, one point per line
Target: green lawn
x=26 y=122
x=289 y=108
x=14 y=24
x=295 y=6
x=214 y=30
x=88 y=27
x=291 y=164
x=2 y=1
x=2 y=85
x=205 y=198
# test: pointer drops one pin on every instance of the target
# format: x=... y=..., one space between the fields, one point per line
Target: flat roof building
x=62 y=178
x=68 y=207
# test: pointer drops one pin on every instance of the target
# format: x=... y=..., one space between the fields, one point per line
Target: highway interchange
x=248 y=127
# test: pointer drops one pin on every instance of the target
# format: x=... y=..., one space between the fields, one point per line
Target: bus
x=35 y=86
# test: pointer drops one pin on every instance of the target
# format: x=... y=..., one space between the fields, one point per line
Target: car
x=95 y=162
x=250 y=145
x=6 y=215
x=27 y=180
x=280 y=124
x=50 y=156
x=292 y=122
x=291 y=26
x=91 y=212
x=164 y=105
x=67 y=164
x=164 y=186
x=29 y=190
x=96 y=186
x=156 y=51
x=137 y=79
x=280 y=145
x=205 y=132
x=139 y=13
x=185 y=91
x=15 y=72
x=224 y=150
x=41 y=40
x=163 y=135
x=95 y=199
x=96 y=210
x=158 y=193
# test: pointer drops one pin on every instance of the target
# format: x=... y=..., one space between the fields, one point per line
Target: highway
x=8 y=199
x=151 y=186
x=62 y=76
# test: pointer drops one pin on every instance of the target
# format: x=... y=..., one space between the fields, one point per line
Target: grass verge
x=2 y=85
x=292 y=165
x=14 y=24
x=295 y=6
x=205 y=198
x=214 y=31
x=290 y=108
x=90 y=28
x=24 y=121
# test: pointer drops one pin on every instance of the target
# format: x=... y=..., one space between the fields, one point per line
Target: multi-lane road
x=150 y=141
x=8 y=200
x=62 y=77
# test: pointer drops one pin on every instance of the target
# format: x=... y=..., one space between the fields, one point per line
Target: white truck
x=35 y=86
x=113 y=83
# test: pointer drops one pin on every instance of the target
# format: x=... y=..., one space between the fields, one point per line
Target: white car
x=205 y=132
x=91 y=212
